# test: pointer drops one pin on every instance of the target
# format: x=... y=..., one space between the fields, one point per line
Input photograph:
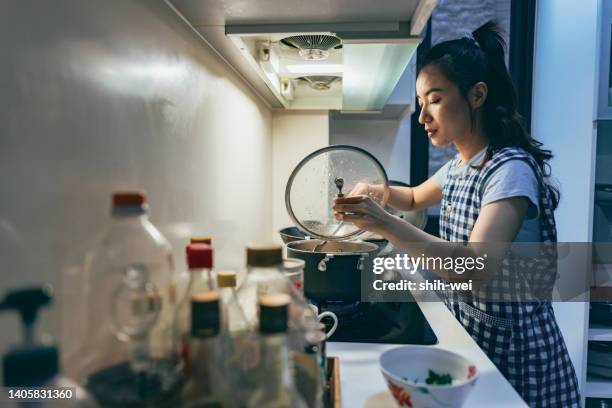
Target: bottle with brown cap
x=204 y=376
x=265 y=276
x=201 y=279
x=275 y=384
x=129 y=306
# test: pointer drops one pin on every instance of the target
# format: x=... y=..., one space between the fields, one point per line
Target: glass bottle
x=126 y=355
x=265 y=276
x=184 y=275
x=239 y=346
x=309 y=368
x=275 y=388
x=233 y=319
x=201 y=279
x=293 y=269
x=205 y=376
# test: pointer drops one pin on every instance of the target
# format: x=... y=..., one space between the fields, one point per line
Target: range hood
x=347 y=55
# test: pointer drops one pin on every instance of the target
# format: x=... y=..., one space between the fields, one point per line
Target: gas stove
x=385 y=322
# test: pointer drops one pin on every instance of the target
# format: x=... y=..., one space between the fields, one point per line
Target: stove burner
x=395 y=323
x=340 y=308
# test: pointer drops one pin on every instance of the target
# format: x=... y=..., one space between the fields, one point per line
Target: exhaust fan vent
x=320 y=82
x=313 y=47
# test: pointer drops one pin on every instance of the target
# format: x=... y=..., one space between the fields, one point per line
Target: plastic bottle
x=34 y=364
x=127 y=354
x=201 y=279
x=275 y=388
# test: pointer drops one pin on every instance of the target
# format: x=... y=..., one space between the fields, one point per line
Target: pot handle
x=322 y=267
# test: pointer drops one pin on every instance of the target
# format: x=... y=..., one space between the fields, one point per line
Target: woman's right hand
x=374 y=191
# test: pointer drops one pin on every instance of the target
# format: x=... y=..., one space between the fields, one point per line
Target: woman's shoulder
x=510 y=152
x=507 y=154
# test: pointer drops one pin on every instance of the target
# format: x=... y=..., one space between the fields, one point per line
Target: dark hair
x=480 y=58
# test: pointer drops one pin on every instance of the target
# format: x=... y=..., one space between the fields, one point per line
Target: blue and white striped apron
x=521 y=338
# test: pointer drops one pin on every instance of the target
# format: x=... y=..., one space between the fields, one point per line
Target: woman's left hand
x=362 y=211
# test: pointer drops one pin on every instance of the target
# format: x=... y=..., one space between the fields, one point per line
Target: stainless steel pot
x=337 y=270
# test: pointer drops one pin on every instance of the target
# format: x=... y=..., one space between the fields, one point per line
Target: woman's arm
x=498 y=221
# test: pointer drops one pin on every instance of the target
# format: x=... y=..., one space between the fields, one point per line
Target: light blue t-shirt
x=514 y=178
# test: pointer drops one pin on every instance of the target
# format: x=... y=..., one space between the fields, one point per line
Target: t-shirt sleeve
x=514 y=178
x=441 y=174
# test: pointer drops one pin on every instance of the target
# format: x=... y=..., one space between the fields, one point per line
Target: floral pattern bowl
x=406 y=369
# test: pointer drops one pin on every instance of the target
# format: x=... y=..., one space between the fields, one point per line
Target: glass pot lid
x=320 y=177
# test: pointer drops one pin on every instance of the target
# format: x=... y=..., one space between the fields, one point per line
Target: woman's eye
x=435 y=101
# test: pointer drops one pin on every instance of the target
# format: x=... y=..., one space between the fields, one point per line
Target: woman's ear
x=478 y=95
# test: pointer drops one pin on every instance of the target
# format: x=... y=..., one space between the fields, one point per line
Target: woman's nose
x=424 y=116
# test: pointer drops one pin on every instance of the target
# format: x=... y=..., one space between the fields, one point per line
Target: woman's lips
x=431 y=132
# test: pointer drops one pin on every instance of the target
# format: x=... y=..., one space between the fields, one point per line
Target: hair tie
x=468 y=35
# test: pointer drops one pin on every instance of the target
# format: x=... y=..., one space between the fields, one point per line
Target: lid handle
x=339 y=181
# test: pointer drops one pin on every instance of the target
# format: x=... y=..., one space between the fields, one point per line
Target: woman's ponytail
x=479 y=57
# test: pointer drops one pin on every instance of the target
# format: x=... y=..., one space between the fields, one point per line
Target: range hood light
x=315 y=69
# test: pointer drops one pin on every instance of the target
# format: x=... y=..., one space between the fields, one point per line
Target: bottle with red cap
x=201 y=279
x=127 y=355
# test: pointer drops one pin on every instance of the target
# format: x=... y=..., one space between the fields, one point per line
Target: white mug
x=331 y=331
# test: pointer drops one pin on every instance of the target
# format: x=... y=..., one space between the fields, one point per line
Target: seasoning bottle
x=276 y=386
x=205 y=378
x=239 y=346
x=309 y=371
x=265 y=276
x=233 y=319
x=201 y=279
x=35 y=364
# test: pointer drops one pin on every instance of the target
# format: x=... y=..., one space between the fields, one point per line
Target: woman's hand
x=374 y=191
x=362 y=211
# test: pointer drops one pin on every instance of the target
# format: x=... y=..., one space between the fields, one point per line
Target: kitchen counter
x=362 y=384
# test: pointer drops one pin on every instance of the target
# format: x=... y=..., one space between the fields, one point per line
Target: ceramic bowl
x=406 y=368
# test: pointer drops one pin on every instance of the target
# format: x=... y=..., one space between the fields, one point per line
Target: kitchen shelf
x=598 y=387
x=600 y=333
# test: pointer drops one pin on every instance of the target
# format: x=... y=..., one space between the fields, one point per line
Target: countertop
x=362 y=384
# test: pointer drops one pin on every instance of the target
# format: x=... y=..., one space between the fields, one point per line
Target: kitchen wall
x=387 y=140
x=295 y=134
x=106 y=95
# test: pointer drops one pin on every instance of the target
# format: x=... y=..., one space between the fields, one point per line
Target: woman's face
x=444 y=111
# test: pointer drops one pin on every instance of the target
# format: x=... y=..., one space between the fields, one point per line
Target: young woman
x=495 y=190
